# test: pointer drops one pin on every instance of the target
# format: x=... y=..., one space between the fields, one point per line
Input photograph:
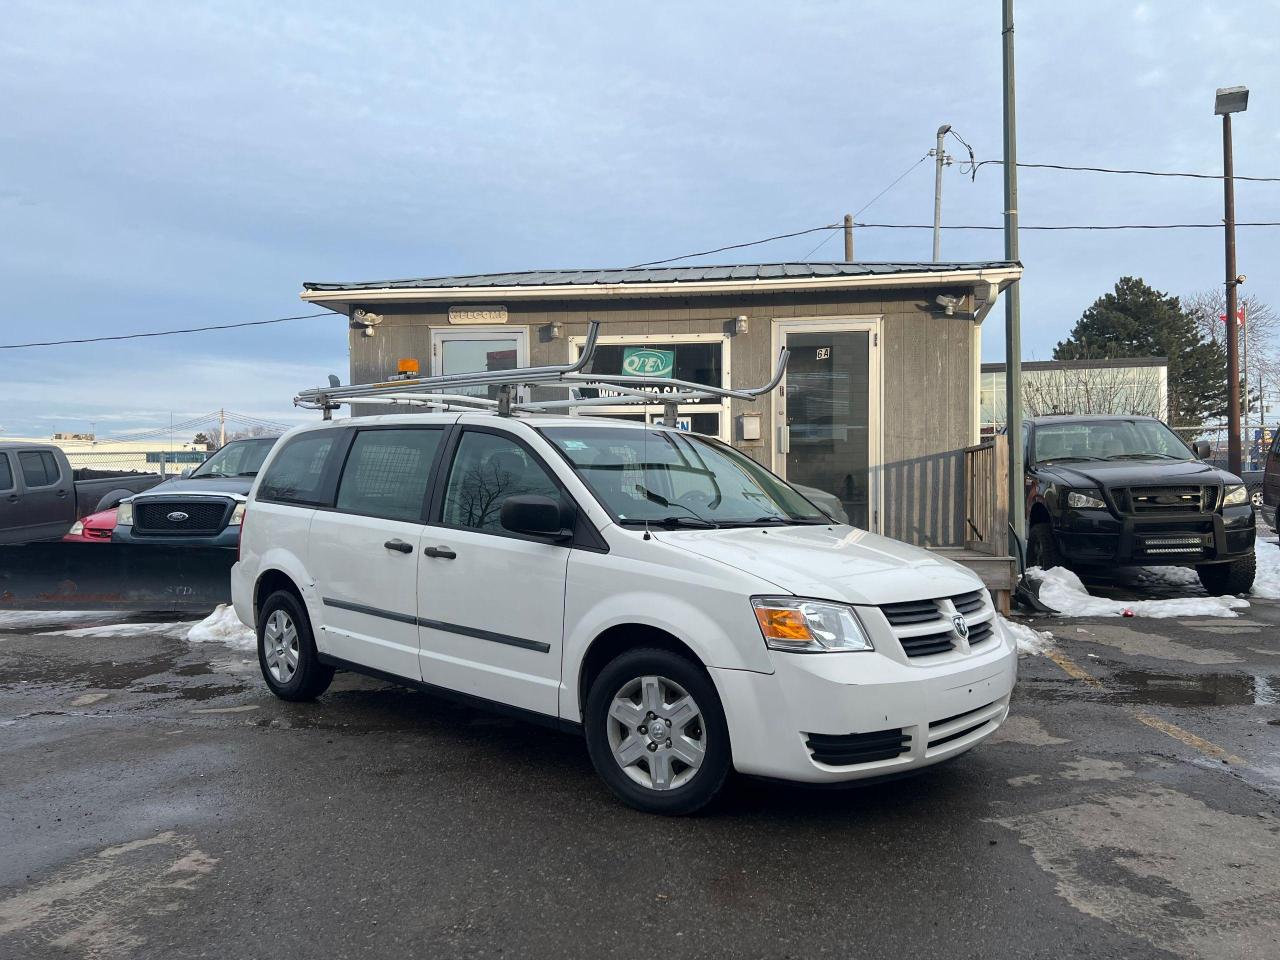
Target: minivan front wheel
x=656 y=732
x=287 y=651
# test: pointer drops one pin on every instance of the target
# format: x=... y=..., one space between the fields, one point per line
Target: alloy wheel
x=656 y=733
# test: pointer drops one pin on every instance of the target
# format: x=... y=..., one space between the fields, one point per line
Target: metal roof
x=640 y=276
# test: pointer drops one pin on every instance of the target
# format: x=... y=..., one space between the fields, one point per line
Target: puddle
x=1172 y=690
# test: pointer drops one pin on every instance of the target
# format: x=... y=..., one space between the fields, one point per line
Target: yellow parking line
x=1186 y=737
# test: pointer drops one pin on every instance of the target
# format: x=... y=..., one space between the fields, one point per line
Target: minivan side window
x=487 y=469
x=39 y=468
x=6 y=473
x=387 y=473
x=297 y=474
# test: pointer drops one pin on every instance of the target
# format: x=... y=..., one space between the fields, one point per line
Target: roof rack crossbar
x=632 y=389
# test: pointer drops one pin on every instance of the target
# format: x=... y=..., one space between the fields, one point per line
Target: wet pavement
x=156 y=801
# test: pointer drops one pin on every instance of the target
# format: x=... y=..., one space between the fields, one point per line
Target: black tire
x=1224 y=579
x=112 y=499
x=1042 y=549
x=310 y=677
x=704 y=783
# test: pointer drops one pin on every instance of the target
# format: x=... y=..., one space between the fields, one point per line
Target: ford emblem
x=179 y=517
x=961 y=628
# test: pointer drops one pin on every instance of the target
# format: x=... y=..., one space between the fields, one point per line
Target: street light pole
x=1231 y=100
x=1012 y=296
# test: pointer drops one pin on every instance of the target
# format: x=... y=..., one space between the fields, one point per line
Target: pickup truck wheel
x=1255 y=497
x=1042 y=549
x=287 y=651
x=656 y=732
x=112 y=499
x=1224 y=579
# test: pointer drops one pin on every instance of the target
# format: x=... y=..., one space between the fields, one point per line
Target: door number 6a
x=824 y=353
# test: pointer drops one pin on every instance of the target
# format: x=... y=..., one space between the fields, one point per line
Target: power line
x=866 y=205
x=1102 y=226
x=1142 y=173
x=160 y=333
x=738 y=246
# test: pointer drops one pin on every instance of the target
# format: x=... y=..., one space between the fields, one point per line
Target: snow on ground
x=1267 y=582
x=1166 y=576
x=1029 y=641
x=1062 y=591
x=18 y=619
x=223 y=626
x=110 y=630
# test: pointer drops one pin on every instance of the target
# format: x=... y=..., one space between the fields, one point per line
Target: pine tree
x=1138 y=321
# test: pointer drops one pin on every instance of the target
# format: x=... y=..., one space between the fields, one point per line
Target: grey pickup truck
x=41 y=496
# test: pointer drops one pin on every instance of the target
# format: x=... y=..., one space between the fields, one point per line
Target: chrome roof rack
x=431 y=391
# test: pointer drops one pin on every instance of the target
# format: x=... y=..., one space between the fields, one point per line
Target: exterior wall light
x=740 y=325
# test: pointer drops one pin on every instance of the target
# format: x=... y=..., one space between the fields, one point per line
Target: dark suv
x=1107 y=490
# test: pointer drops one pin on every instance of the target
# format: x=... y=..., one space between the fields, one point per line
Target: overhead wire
x=161 y=333
x=897 y=180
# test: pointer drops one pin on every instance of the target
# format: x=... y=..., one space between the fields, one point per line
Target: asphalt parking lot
x=156 y=801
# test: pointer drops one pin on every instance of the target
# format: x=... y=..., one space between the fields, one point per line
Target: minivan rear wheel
x=656 y=732
x=287 y=650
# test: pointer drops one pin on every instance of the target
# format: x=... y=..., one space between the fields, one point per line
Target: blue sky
x=168 y=165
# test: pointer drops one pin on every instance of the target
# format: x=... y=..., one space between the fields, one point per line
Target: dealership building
x=880 y=407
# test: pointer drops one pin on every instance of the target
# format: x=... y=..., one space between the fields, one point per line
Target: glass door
x=476 y=349
x=825 y=438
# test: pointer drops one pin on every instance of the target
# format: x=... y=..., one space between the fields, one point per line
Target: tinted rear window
x=298 y=474
x=39 y=468
x=387 y=473
x=6 y=473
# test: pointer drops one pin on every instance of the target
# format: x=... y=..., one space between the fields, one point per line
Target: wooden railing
x=986 y=497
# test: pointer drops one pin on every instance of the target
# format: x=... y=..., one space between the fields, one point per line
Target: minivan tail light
x=244 y=515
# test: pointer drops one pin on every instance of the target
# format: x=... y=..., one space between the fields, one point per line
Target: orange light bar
x=408 y=365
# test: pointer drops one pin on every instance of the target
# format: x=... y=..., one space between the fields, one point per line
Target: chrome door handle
x=443 y=553
x=398 y=545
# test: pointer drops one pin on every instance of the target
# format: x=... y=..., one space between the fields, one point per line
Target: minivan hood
x=224 y=485
x=1135 y=473
x=830 y=563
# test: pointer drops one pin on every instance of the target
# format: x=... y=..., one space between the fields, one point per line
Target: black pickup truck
x=1111 y=490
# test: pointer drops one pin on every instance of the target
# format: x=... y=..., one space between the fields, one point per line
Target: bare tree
x=1261 y=333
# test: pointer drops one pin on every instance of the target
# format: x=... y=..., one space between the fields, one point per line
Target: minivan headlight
x=1235 y=495
x=1085 y=498
x=809 y=626
x=124 y=515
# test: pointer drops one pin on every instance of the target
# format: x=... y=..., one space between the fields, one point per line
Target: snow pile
x=1167 y=576
x=1062 y=591
x=1267 y=582
x=114 y=630
x=223 y=626
x=1029 y=641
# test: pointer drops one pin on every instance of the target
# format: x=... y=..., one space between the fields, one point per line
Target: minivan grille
x=937 y=738
x=911 y=621
x=202 y=517
x=848 y=749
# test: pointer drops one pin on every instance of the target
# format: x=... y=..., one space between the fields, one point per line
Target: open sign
x=643 y=362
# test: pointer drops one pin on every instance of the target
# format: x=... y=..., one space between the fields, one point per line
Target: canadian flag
x=1239 y=317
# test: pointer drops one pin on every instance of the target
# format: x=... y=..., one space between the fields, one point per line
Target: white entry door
x=478 y=349
x=826 y=414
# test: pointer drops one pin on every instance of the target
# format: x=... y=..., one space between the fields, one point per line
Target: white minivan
x=682 y=607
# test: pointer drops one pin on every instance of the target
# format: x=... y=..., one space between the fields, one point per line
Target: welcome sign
x=644 y=362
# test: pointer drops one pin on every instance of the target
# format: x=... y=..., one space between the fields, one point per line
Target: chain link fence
x=168 y=463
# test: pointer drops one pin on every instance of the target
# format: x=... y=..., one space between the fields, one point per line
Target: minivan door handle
x=399 y=546
x=443 y=553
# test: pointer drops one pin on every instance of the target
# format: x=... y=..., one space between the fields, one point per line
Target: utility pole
x=1012 y=304
x=1231 y=100
x=222 y=428
x=848 y=238
x=1244 y=377
x=941 y=159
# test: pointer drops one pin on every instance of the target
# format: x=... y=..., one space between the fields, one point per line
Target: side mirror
x=1201 y=448
x=534 y=515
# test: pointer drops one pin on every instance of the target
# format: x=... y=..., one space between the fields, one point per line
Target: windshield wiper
x=1140 y=456
x=1066 y=459
x=670 y=522
x=662 y=501
x=247 y=473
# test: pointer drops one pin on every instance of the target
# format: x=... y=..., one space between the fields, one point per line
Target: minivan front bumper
x=826 y=718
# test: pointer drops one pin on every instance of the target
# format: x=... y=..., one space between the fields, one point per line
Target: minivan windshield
x=646 y=476
x=239 y=458
x=1107 y=440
